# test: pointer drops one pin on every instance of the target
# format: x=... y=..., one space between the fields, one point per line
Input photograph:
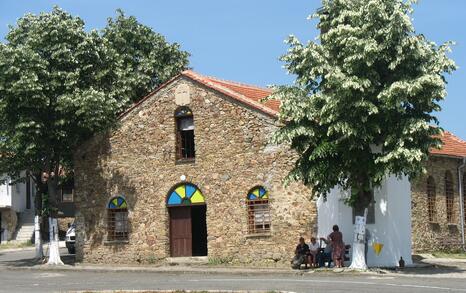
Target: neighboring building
x=16 y=210
x=190 y=172
x=437 y=217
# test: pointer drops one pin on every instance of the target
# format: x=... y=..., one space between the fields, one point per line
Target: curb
x=187 y=270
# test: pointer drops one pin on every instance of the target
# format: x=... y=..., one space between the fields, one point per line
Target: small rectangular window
x=67 y=194
x=185 y=138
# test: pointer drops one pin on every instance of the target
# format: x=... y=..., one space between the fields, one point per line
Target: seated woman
x=314 y=250
x=301 y=254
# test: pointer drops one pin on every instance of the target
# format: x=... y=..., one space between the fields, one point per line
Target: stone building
x=189 y=171
x=438 y=199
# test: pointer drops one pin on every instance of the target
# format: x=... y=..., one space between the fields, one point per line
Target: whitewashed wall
x=392 y=225
x=5 y=195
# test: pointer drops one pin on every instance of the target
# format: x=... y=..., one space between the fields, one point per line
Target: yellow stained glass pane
x=266 y=195
x=197 y=197
x=123 y=205
x=181 y=190
x=256 y=192
x=115 y=202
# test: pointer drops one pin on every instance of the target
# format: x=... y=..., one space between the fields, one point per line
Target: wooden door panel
x=180 y=231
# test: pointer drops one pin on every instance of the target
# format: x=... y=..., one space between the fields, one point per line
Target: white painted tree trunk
x=358 y=261
x=37 y=239
x=54 y=251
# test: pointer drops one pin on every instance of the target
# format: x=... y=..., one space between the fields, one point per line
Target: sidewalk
x=427 y=267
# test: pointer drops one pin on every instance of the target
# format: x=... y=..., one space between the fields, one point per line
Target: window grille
x=259 y=219
x=449 y=200
x=185 y=148
x=117 y=220
x=431 y=200
x=464 y=196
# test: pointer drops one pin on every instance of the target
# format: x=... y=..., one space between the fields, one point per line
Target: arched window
x=464 y=196
x=258 y=210
x=185 y=194
x=184 y=122
x=449 y=196
x=431 y=208
x=117 y=219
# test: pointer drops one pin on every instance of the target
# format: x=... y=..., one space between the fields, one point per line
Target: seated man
x=301 y=254
x=325 y=255
x=314 y=250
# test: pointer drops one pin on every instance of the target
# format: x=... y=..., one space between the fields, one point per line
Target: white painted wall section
x=392 y=225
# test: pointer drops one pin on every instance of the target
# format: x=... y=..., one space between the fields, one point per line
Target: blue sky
x=242 y=40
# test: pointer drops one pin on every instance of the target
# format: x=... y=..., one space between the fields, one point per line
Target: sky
x=242 y=40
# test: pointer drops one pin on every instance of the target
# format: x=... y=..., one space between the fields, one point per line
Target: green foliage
x=371 y=82
x=144 y=58
x=60 y=84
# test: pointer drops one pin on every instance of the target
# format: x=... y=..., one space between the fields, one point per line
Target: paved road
x=52 y=281
x=21 y=279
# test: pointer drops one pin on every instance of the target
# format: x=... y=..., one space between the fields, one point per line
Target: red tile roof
x=246 y=94
x=252 y=95
x=452 y=146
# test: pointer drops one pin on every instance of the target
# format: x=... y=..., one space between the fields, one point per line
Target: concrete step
x=188 y=260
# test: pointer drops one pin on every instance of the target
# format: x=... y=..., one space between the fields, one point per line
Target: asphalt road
x=21 y=279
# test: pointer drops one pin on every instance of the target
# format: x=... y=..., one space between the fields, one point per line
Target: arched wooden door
x=188 y=227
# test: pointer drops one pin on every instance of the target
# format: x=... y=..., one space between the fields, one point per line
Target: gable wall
x=232 y=156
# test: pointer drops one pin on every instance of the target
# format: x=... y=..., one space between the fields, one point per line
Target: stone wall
x=137 y=160
x=438 y=235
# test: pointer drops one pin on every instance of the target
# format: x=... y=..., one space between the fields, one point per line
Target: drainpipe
x=461 y=192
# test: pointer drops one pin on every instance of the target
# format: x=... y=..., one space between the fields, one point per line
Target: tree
x=59 y=85
x=363 y=102
x=144 y=58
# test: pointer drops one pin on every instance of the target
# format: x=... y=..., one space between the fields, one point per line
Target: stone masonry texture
x=438 y=235
x=233 y=154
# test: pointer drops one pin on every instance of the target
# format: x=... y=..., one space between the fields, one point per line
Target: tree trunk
x=37 y=217
x=54 y=251
x=359 y=261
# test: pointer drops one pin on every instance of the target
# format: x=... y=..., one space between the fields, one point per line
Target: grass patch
x=445 y=254
x=10 y=245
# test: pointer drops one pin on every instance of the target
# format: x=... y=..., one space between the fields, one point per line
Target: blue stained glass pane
x=261 y=191
x=251 y=196
x=111 y=205
x=190 y=189
x=174 y=198
x=120 y=201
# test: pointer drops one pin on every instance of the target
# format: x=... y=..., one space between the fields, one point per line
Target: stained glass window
x=259 y=219
x=117 y=219
x=117 y=203
x=185 y=194
x=258 y=193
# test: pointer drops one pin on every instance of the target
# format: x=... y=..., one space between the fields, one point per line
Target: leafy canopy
x=364 y=97
x=60 y=84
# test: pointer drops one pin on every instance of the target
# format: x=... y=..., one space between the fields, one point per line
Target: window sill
x=185 y=161
x=452 y=224
x=259 y=235
x=115 y=242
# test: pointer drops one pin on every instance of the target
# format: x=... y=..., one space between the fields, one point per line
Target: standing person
x=338 y=246
x=314 y=249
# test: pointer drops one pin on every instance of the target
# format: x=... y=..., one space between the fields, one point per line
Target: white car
x=71 y=238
